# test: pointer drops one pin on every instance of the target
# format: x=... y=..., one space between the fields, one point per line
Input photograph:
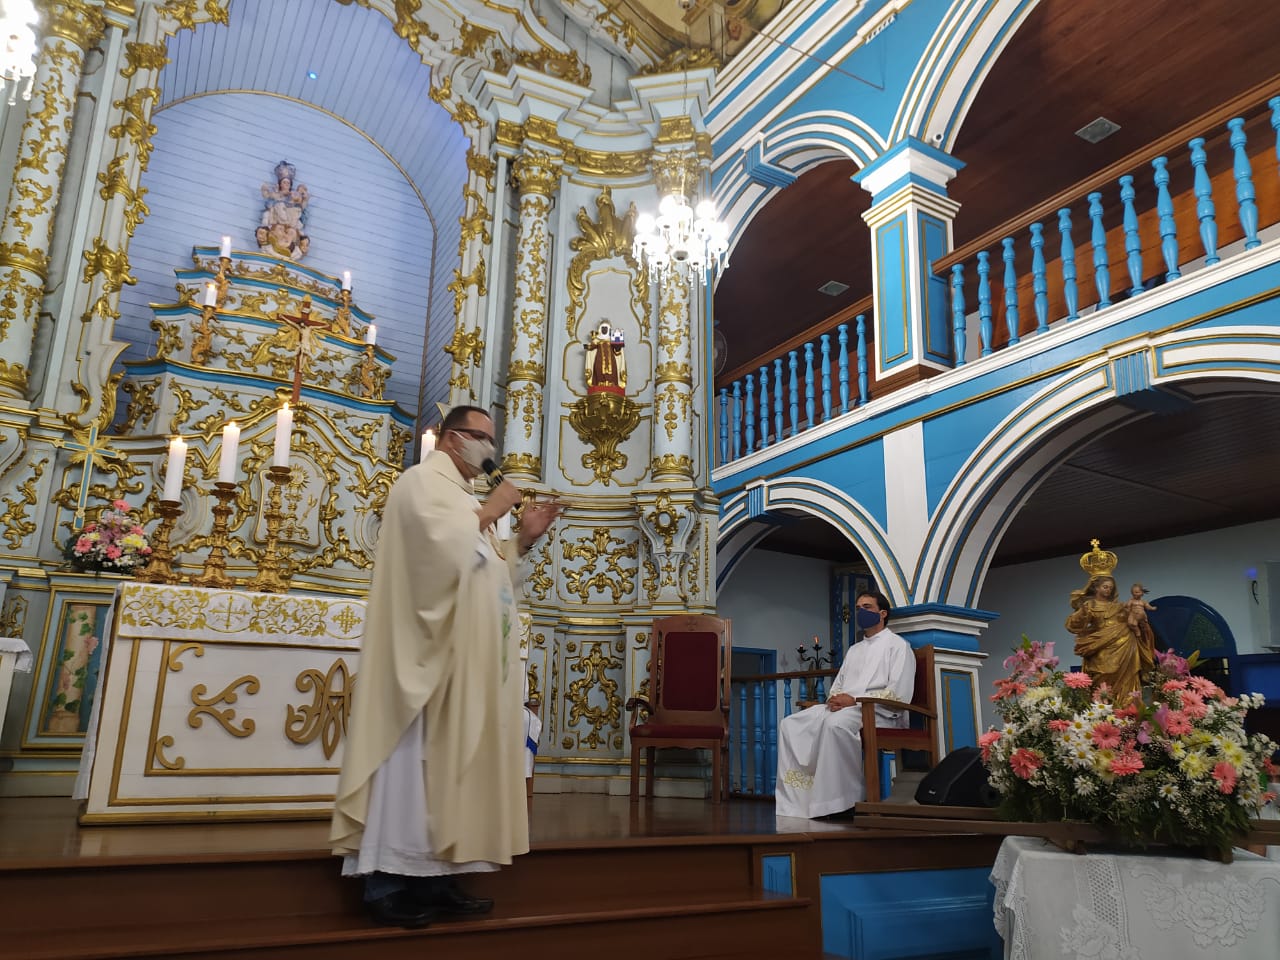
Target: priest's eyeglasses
x=473 y=434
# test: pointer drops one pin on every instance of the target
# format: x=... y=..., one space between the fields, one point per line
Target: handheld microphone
x=492 y=471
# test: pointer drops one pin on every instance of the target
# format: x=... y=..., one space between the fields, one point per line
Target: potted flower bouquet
x=113 y=543
x=1172 y=767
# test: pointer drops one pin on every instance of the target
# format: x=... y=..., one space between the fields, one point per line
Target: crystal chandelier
x=18 y=59
x=682 y=239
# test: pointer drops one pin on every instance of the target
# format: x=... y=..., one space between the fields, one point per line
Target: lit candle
x=428 y=444
x=371 y=334
x=346 y=279
x=173 y=472
x=284 y=430
x=210 y=295
x=225 y=249
x=230 y=448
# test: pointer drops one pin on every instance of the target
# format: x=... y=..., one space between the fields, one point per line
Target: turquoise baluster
x=959 y=339
x=826 y=377
x=757 y=742
x=777 y=401
x=1246 y=206
x=749 y=412
x=808 y=384
x=724 y=424
x=1132 y=242
x=737 y=419
x=786 y=697
x=1039 y=282
x=862 y=359
x=1168 y=229
x=1101 y=263
x=742 y=739
x=984 y=302
x=793 y=364
x=1204 y=202
x=764 y=406
x=1069 y=291
x=818 y=688
x=843 y=335
x=1010 y=291
x=1274 y=104
x=771 y=739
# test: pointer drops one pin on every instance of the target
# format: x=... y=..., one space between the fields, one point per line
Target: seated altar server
x=433 y=776
x=820 y=749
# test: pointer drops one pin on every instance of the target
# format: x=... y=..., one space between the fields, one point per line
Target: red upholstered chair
x=924 y=704
x=688 y=702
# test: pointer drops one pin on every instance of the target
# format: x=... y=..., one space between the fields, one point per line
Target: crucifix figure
x=303 y=324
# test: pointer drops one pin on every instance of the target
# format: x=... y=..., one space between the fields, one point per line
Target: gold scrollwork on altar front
x=616 y=577
x=325 y=718
x=17 y=525
x=604 y=420
x=594 y=663
x=226 y=717
x=608 y=237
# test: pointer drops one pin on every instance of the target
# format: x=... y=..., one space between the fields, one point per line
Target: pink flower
x=1206 y=688
x=1106 y=736
x=1025 y=762
x=1059 y=726
x=1172 y=664
x=986 y=741
x=1193 y=705
x=1172 y=685
x=120 y=505
x=1226 y=776
x=1127 y=713
x=1144 y=732
x=1176 y=723
x=1267 y=797
x=1125 y=764
x=1008 y=688
x=1269 y=768
x=136 y=530
x=113 y=552
x=1077 y=681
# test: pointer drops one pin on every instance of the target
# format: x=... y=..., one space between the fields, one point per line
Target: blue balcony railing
x=759 y=702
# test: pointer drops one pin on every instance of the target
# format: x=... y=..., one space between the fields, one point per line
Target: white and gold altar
x=255 y=313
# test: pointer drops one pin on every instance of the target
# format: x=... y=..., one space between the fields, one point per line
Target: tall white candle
x=225 y=249
x=230 y=448
x=346 y=279
x=210 y=295
x=173 y=472
x=284 y=429
x=428 y=444
x=371 y=334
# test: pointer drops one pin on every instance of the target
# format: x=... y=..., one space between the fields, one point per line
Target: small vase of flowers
x=113 y=543
x=1173 y=767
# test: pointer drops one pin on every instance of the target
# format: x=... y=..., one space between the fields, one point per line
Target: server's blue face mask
x=866 y=619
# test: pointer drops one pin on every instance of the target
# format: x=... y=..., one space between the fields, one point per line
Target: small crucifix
x=303 y=324
x=87 y=447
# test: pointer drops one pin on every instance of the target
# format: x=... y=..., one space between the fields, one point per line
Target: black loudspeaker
x=960 y=780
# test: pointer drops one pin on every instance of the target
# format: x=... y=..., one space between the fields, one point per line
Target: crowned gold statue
x=1115 y=649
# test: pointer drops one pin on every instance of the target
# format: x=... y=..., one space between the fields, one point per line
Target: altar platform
x=671 y=878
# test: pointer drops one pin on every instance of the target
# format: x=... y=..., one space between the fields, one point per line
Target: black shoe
x=400 y=909
x=450 y=898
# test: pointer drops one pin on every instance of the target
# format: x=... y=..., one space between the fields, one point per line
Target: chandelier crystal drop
x=682 y=239
x=18 y=58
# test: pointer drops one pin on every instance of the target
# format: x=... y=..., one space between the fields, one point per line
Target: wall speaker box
x=960 y=780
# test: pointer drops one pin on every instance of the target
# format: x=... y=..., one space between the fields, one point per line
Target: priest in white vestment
x=433 y=773
x=820 y=748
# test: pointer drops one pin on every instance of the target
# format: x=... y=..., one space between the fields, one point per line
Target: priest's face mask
x=473 y=447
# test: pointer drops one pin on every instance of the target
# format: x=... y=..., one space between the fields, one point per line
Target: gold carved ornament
x=13 y=616
x=682 y=59
x=185 y=12
x=594 y=666
x=115 y=183
x=678 y=404
x=603 y=421
x=113 y=266
x=670 y=465
x=467 y=350
x=606 y=238
x=616 y=579
x=81 y=23
x=136 y=126
x=325 y=718
x=539 y=584
x=144 y=56
x=17 y=525
x=664 y=518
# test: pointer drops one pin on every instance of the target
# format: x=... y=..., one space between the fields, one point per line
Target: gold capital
x=537 y=171
x=73 y=20
x=13 y=379
x=24 y=258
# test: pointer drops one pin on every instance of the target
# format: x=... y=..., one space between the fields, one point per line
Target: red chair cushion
x=691 y=671
x=688 y=731
x=900 y=734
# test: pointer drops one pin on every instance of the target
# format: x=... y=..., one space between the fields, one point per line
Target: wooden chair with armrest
x=688 y=702
x=924 y=704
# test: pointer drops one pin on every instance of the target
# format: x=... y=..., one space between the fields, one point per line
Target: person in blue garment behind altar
x=820 y=748
x=433 y=773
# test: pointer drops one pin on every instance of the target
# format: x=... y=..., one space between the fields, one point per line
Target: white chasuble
x=820 y=750
x=440 y=693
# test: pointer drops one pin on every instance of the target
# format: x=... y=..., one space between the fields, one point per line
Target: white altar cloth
x=1110 y=906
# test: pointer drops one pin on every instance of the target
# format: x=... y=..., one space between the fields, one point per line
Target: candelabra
x=214 y=575
x=817 y=659
x=160 y=568
x=365 y=373
x=342 y=316
x=274 y=569
x=221 y=279
x=202 y=343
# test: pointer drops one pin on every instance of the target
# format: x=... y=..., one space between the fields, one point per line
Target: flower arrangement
x=114 y=543
x=1174 y=766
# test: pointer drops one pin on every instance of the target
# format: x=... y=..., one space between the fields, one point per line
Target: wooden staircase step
x=320 y=936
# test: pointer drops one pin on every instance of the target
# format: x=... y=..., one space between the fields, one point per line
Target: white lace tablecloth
x=1109 y=906
x=18 y=647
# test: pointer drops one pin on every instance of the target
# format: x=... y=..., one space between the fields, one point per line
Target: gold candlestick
x=274 y=568
x=202 y=344
x=224 y=268
x=368 y=366
x=160 y=568
x=214 y=575
x=342 y=316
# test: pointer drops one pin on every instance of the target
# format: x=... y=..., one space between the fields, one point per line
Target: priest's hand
x=501 y=500
x=535 y=520
x=838 y=701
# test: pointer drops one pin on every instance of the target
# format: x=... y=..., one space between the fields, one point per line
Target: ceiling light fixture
x=18 y=57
